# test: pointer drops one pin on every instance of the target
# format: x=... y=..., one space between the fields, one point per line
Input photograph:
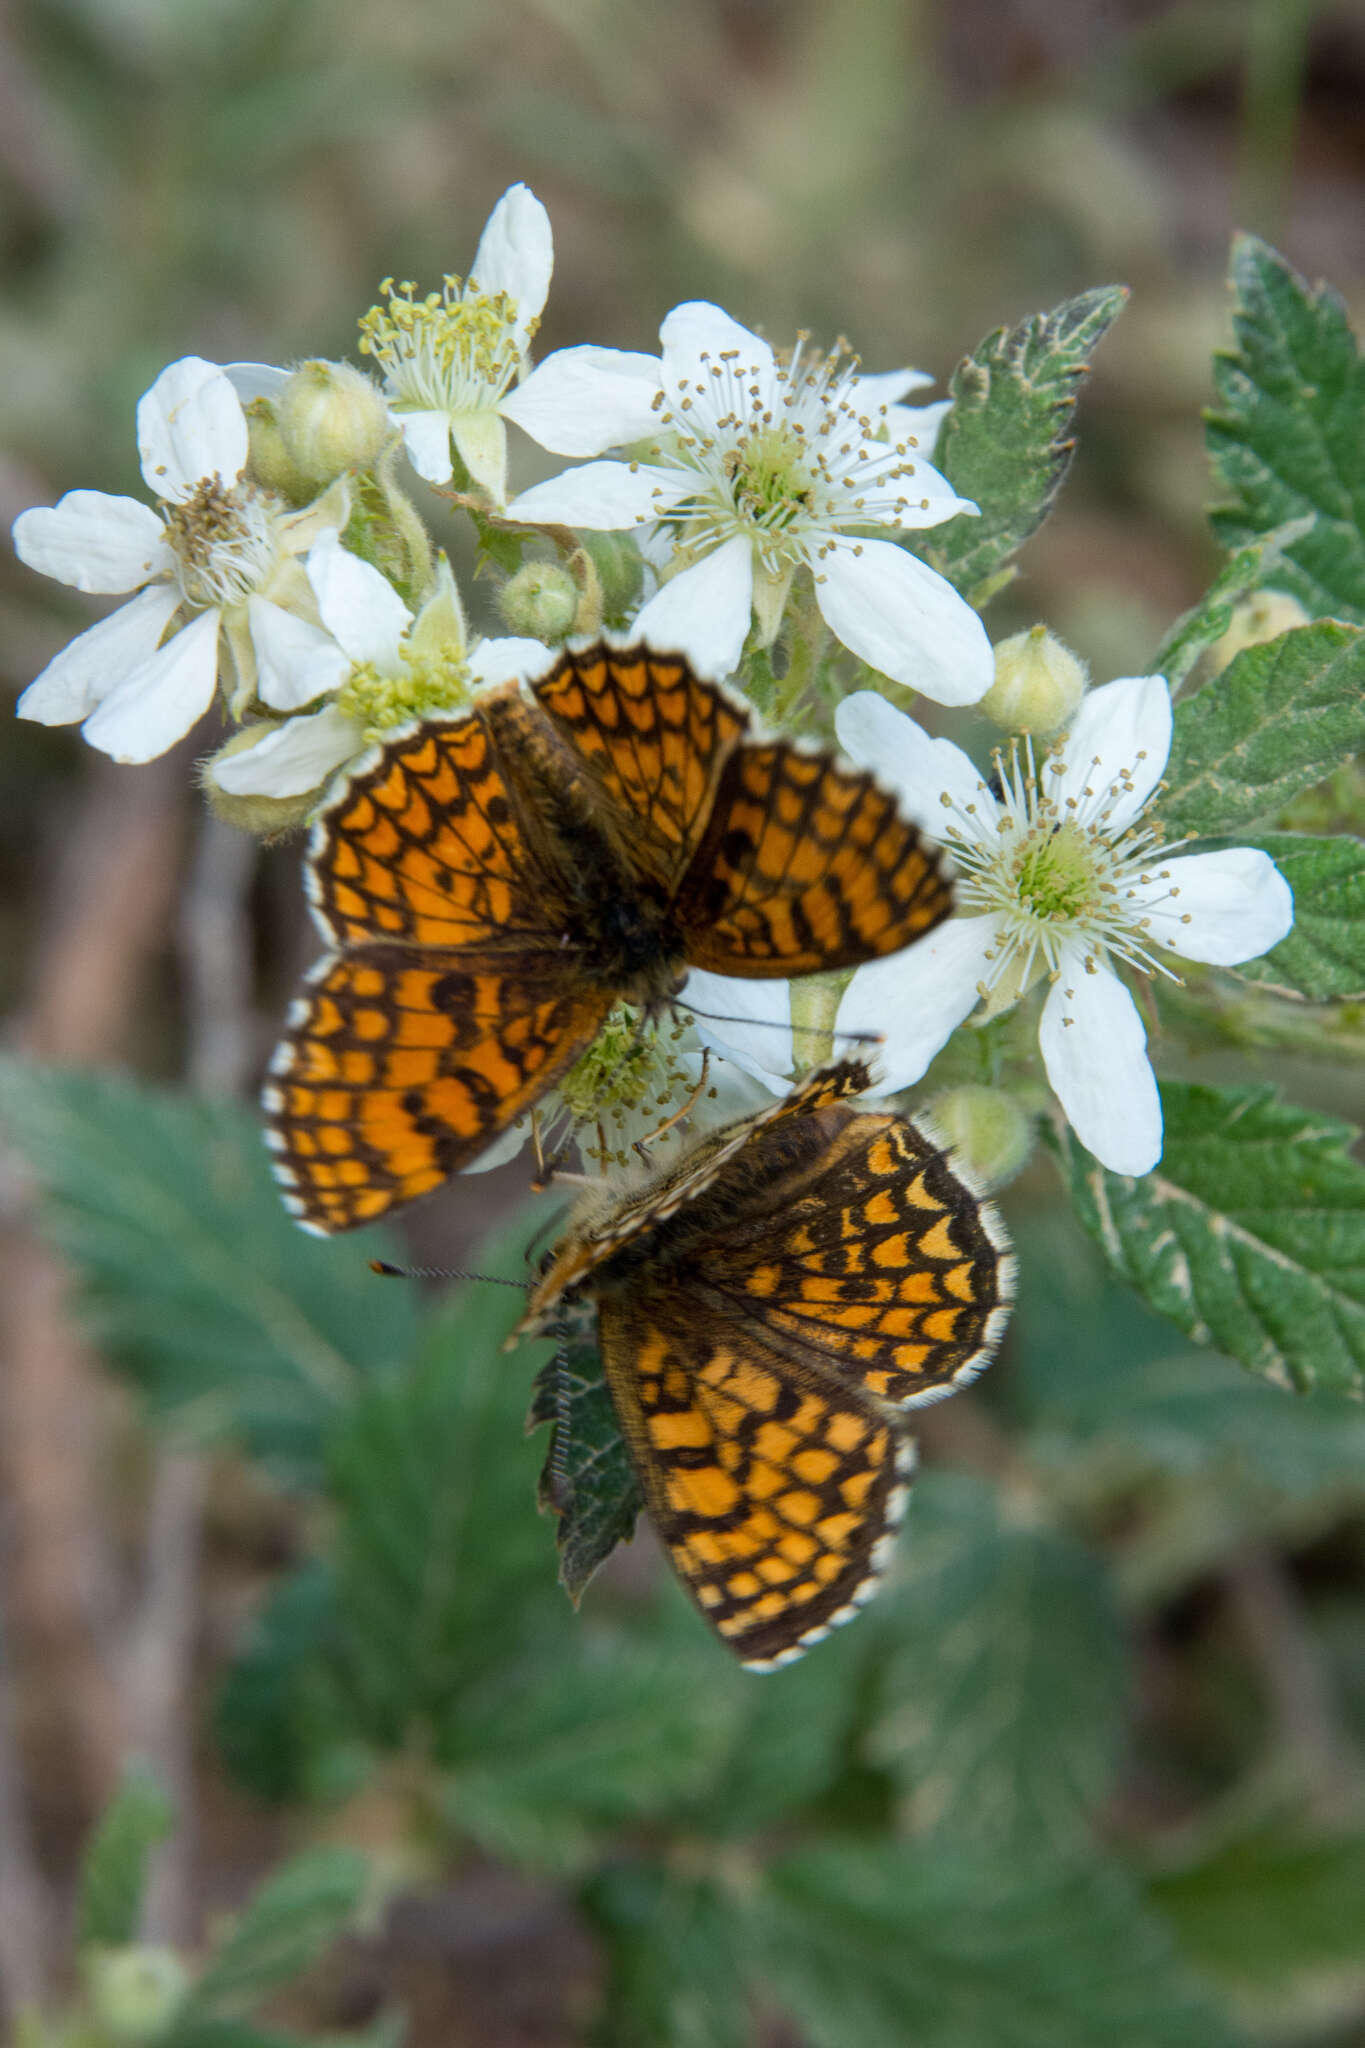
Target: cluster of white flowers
x=270 y=578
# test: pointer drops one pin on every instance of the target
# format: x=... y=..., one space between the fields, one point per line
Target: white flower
x=755 y=468
x=1057 y=876
x=217 y=555
x=448 y=359
x=396 y=668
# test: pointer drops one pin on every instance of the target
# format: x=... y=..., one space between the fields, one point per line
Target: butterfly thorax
x=616 y=917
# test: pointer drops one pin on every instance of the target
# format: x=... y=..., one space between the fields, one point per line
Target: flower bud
x=135 y=1990
x=987 y=1130
x=1038 y=682
x=269 y=817
x=268 y=461
x=540 y=601
x=331 y=418
x=1262 y=616
x=620 y=571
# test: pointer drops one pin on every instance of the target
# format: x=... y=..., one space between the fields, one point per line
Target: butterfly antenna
x=559 y=1436
x=805 y=1030
x=443 y=1273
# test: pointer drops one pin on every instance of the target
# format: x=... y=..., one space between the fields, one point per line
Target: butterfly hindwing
x=400 y=1066
x=776 y=1493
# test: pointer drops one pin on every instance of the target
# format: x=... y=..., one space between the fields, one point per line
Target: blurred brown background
x=233 y=179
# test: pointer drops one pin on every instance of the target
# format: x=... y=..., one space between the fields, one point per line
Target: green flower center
x=451 y=351
x=1054 y=874
x=379 y=699
x=770 y=477
x=629 y=1069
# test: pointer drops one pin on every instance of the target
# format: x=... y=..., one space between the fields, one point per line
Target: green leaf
x=620 y=1731
x=1280 y=717
x=200 y=1288
x=587 y=1479
x=296 y=1914
x=113 y=1875
x=284 y=1720
x=1323 y=957
x=1006 y=443
x=441 y=1563
x=674 y=1947
x=1004 y=1685
x=1249 y=1235
x=1245 y=572
x=1288 y=439
x=1274 y=1920
x=882 y=1944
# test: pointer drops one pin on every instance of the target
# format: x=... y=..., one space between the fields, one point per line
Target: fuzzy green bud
x=620 y=572
x=1038 y=683
x=987 y=1130
x=135 y=1990
x=268 y=817
x=540 y=601
x=1262 y=616
x=268 y=460
x=332 y=418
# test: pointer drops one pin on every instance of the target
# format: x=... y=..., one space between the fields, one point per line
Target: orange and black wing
x=777 y=1492
x=428 y=844
x=401 y=1065
x=453 y=1000
x=806 y=864
x=874 y=1257
x=654 y=739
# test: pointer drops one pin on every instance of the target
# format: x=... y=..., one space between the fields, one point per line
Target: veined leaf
x=675 y=1955
x=297 y=1913
x=1006 y=443
x=199 y=1285
x=1275 y=1920
x=1323 y=958
x=1247 y=571
x=587 y=1479
x=1288 y=439
x=113 y=1875
x=1279 y=718
x=1004 y=1684
x=1250 y=1234
x=285 y=1722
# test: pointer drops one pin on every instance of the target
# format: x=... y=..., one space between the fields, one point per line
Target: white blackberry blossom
x=1057 y=877
x=215 y=563
x=749 y=469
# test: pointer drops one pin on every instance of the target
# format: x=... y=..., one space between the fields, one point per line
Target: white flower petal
x=924 y=497
x=749 y=1022
x=580 y=401
x=295 y=661
x=501 y=1150
x=922 y=771
x=884 y=387
x=704 y=612
x=516 y=255
x=502 y=661
x=97 y=660
x=150 y=709
x=698 y=328
x=359 y=607
x=1219 y=907
x=426 y=436
x=296 y=757
x=1095 y=1052
x=915 y=1000
x=255 y=380
x=602 y=495
x=94 y=542
x=1115 y=751
x=328 y=514
x=918 y=424
x=481 y=439
x=190 y=425
x=904 y=620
